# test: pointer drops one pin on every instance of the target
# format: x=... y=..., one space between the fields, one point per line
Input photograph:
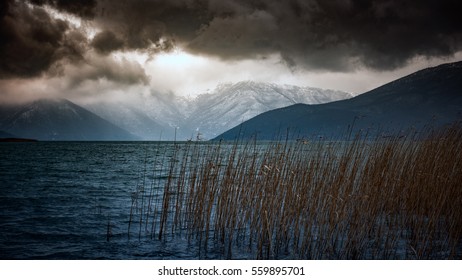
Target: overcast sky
x=109 y=49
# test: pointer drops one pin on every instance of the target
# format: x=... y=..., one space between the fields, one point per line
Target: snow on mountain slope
x=156 y=116
x=166 y=115
x=231 y=104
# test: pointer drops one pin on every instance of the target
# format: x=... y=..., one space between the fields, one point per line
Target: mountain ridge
x=231 y=104
x=429 y=97
x=59 y=120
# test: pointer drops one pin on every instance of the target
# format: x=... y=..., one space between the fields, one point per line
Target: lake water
x=105 y=200
x=72 y=200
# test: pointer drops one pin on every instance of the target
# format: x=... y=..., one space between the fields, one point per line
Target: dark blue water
x=72 y=200
x=105 y=200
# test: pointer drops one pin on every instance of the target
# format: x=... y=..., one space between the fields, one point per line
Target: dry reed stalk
x=359 y=199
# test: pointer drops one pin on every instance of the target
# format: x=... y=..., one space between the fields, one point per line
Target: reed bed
x=385 y=198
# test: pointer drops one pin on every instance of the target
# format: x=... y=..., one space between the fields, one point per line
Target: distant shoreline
x=17 y=140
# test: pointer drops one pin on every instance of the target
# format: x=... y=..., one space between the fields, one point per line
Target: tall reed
x=382 y=198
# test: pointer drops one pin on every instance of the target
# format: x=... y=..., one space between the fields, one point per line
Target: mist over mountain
x=58 y=119
x=208 y=114
x=156 y=117
x=428 y=98
x=148 y=120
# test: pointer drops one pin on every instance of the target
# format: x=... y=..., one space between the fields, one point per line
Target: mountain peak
x=59 y=119
x=232 y=103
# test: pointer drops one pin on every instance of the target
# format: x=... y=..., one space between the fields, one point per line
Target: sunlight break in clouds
x=189 y=75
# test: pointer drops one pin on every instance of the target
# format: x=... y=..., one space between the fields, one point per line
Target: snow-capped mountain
x=209 y=114
x=156 y=116
x=232 y=104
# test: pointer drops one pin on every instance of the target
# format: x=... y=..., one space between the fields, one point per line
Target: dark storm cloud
x=31 y=42
x=152 y=24
x=336 y=35
x=106 y=42
x=386 y=34
x=333 y=34
x=313 y=34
